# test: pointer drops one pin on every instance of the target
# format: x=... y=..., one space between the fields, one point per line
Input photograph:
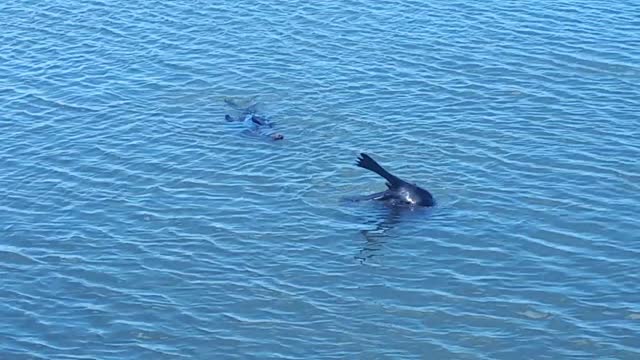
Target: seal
x=399 y=192
x=255 y=123
x=258 y=125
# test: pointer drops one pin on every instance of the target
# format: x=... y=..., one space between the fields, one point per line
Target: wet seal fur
x=399 y=192
x=254 y=122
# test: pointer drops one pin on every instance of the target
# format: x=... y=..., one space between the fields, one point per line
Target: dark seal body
x=255 y=123
x=399 y=192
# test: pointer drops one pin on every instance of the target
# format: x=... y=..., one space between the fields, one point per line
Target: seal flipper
x=261 y=120
x=377 y=196
x=366 y=162
x=229 y=118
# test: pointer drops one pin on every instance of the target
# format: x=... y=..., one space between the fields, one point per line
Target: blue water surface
x=135 y=223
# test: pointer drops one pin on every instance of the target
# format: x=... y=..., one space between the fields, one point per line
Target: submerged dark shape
x=256 y=124
x=377 y=236
x=399 y=192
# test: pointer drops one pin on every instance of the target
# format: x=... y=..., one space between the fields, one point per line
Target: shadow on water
x=389 y=218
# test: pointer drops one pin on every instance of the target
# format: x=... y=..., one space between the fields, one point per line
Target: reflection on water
x=136 y=223
x=384 y=220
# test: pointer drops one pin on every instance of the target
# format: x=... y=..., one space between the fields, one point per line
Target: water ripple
x=137 y=223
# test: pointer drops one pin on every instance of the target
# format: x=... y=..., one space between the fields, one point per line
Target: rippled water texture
x=135 y=223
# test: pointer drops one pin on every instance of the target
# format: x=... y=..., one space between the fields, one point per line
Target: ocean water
x=135 y=223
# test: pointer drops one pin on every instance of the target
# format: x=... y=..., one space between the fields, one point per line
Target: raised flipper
x=229 y=118
x=366 y=162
